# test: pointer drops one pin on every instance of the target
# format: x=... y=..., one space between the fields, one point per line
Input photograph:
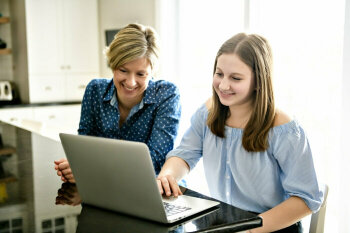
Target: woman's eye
x=219 y=74
x=235 y=78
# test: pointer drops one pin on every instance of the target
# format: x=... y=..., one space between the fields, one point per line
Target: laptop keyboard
x=171 y=209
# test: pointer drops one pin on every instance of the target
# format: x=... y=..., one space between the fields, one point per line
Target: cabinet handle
x=52 y=117
x=81 y=86
x=68 y=67
x=62 y=67
x=48 y=88
x=13 y=119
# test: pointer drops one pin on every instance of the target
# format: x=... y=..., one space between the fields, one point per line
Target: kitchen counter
x=45 y=119
x=6 y=105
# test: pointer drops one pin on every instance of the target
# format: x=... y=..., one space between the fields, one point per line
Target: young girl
x=255 y=157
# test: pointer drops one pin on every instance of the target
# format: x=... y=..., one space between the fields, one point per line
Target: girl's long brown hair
x=255 y=52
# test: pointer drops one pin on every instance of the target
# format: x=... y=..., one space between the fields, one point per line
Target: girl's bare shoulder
x=208 y=103
x=281 y=118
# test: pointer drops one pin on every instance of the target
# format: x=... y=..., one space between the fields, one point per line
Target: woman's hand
x=63 y=170
x=168 y=186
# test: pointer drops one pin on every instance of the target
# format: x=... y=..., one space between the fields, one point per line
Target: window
x=307 y=39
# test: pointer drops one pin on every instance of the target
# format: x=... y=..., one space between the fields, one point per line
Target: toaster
x=8 y=92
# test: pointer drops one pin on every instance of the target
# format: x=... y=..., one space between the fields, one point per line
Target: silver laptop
x=119 y=175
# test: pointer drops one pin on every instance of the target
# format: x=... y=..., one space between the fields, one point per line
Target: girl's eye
x=141 y=74
x=235 y=78
x=122 y=70
x=219 y=74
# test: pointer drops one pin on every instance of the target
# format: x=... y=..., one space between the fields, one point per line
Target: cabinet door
x=76 y=85
x=62 y=43
x=80 y=24
x=43 y=36
x=46 y=88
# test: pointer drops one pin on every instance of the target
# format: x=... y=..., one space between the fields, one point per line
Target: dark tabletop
x=33 y=199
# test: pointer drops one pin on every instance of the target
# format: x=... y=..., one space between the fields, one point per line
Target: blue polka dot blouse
x=154 y=120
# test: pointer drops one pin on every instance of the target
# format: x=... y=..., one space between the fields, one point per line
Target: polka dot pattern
x=154 y=120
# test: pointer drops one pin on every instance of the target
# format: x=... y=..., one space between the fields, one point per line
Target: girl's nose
x=224 y=85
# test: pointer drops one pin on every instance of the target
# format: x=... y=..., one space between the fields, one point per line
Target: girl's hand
x=168 y=186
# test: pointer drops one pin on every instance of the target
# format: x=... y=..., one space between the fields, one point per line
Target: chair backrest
x=317 y=219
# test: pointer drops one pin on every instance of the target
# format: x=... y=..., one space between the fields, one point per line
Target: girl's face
x=131 y=80
x=233 y=81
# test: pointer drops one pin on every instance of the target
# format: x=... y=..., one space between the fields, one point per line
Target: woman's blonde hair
x=254 y=51
x=132 y=42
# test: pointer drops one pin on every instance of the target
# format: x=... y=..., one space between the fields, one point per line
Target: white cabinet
x=42 y=24
x=75 y=86
x=63 y=53
x=49 y=217
x=46 y=88
x=55 y=87
x=80 y=36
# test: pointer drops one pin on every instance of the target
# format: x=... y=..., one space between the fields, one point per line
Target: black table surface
x=224 y=218
x=34 y=199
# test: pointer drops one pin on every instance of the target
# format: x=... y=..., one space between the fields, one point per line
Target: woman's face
x=233 y=81
x=131 y=80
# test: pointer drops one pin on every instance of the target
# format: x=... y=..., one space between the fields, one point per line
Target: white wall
x=115 y=14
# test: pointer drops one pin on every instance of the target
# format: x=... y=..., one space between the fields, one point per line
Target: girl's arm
x=283 y=215
x=173 y=170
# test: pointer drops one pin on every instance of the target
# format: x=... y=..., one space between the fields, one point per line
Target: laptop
x=118 y=175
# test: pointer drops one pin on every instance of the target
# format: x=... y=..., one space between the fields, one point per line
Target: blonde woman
x=255 y=157
x=130 y=106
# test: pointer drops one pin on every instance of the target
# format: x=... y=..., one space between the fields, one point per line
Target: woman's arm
x=87 y=122
x=165 y=126
x=283 y=215
x=173 y=170
x=86 y=127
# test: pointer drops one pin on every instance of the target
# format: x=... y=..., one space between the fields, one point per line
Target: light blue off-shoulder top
x=253 y=181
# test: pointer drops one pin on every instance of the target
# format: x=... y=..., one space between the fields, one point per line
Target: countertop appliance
x=8 y=92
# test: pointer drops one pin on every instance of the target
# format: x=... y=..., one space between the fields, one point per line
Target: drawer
x=75 y=86
x=15 y=115
x=46 y=88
